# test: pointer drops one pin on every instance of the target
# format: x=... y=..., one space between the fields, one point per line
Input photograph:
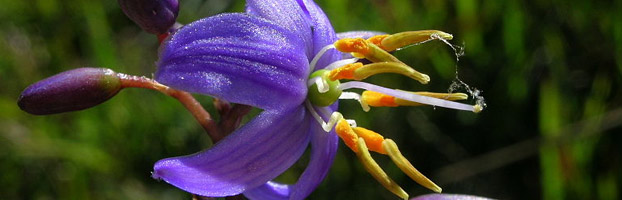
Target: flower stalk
x=185 y=98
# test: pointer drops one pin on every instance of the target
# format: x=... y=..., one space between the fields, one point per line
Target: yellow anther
x=390 y=67
x=374 y=169
x=358 y=71
x=377 y=40
x=345 y=132
x=446 y=96
x=407 y=167
x=344 y=72
x=403 y=39
x=372 y=139
x=377 y=99
x=353 y=45
x=361 y=48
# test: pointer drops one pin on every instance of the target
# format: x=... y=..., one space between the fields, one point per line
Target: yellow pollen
x=378 y=99
x=361 y=48
x=362 y=140
x=344 y=72
x=377 y=40
x=372 y=139
x=352 y=45
x=345 y=132
x=358 y=71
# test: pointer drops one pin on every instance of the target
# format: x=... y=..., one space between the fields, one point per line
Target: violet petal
x=254 y=154
x=288 y=14
x=238 y=58
x=269 y=191
x=323 y=149
x=323 y=33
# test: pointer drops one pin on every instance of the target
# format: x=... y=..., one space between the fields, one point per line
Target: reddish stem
x=185 y=98
x=230 y=115
x=162 y=37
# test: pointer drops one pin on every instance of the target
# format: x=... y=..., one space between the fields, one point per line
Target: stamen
x=340 y=63
x=374 y=169
x=373 y=139
x=377 y=99
x=351 y=122
x=327 y=126
x=391 y=148
x=377 y=40
x=322 y=85
x=361 y=48
x=357 y=71
x=345 y=132
x=325 y=110
x=313 y=80
x=446 y=96
x=410 y=96
x=344 y=72
x=357 y=97
x=403 y=39
x=318 y=56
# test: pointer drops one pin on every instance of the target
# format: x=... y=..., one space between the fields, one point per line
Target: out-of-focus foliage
x=550 y=71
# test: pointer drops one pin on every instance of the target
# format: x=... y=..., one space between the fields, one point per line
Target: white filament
x=319 y=55
x=351 y=122
x=322 y=85
x=340 y=63
x=409 y=96
x=327 y=126
x=355 y=96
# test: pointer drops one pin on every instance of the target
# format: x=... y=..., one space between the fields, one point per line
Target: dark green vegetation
x=550 y=71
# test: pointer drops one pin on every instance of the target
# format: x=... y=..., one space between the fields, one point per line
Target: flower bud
x=153 y=16
x=72 y=90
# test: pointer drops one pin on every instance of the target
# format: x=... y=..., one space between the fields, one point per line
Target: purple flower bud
x=153 y=16
x=72 y=90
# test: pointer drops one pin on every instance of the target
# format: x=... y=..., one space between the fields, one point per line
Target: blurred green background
x=550 y=71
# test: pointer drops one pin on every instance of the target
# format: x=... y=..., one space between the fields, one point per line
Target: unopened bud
x=153 y=16
x=72 y=90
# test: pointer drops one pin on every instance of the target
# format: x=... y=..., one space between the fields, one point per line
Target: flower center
x=325 y=89
x=323 y=92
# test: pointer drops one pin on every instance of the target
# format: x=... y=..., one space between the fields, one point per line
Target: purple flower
x=72 y=90
x=153 y=16
x=273 y=57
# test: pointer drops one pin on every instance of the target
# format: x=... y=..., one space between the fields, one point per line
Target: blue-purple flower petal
x=323 y=149
x=239 y=58
x=323 y=33
x=286 y=13
x=249 y=157
x=269 y=191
